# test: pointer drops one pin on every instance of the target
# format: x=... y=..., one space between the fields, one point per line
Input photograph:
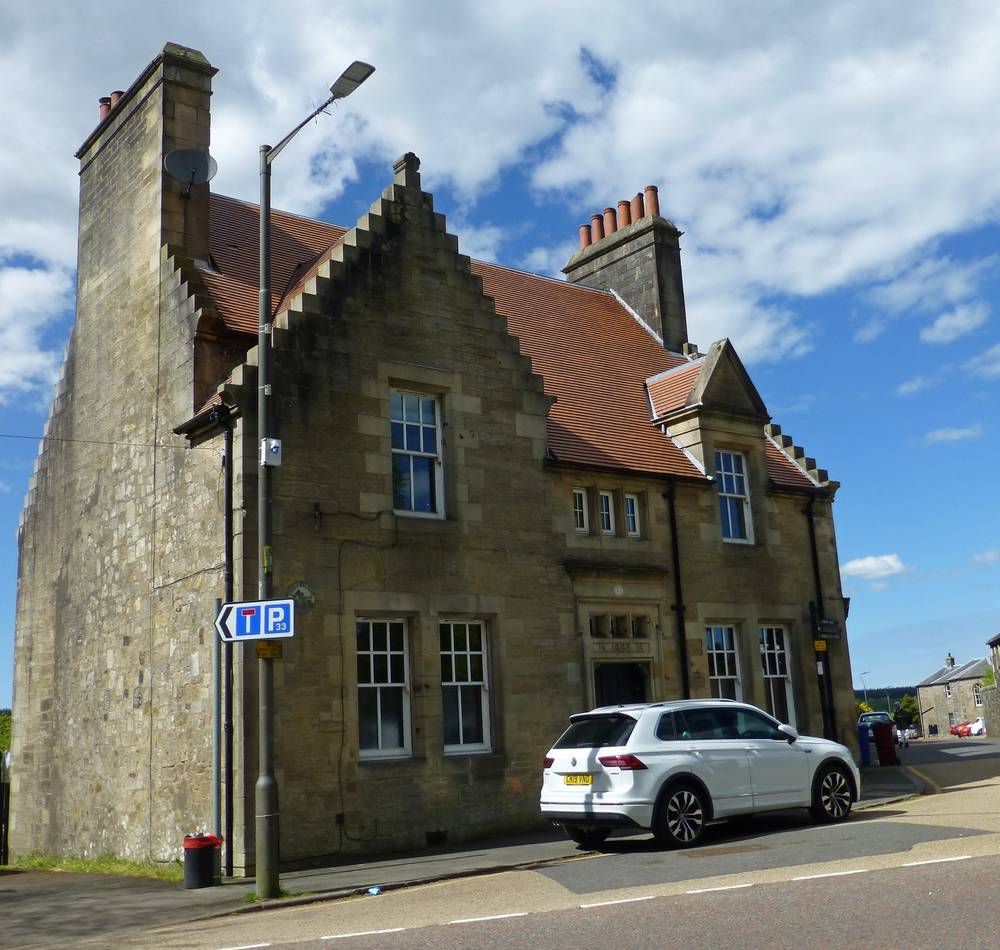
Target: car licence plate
x=578 y=779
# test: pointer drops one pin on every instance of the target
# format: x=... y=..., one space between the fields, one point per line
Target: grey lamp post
x=864 y=685
x=270 y=455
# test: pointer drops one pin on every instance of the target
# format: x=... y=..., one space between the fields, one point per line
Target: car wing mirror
x=789 y=732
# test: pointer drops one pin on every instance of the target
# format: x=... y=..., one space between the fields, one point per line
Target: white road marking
x=247 y=946
x=476 y=920
x=914 y=864
x=360 y=933
x=812 y=877
x=725 y=887
x=624 y=900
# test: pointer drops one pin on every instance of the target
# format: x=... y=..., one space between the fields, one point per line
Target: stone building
x=991 y=695
x=503 y=498
x=951 y=695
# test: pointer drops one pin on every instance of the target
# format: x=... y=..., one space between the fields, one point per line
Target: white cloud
x=987 y=558
x=957 y=323
x=874 y=567
x=986 y=364
x=953 y=434
x=911 y=386
x=799 y=168
x=30 y=298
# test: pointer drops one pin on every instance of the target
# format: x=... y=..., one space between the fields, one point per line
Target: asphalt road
x=918 y=873
x=951 y=904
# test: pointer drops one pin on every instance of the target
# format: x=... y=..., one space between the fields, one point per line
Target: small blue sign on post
x=256 y=620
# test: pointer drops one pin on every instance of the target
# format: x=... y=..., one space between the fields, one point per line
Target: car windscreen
x=596 y=732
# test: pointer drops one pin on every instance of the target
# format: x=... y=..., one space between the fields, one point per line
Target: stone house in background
x=951 y=695
x=503 y=498
x=991 y=695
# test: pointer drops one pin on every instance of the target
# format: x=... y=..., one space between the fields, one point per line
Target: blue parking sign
x=256 y=620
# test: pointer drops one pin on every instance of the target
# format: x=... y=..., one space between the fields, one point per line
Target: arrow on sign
x=256 y=620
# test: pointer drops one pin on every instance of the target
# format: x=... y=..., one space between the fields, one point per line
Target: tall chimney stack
x=637 y=254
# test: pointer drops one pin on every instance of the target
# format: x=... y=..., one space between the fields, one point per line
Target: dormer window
x=734 y=496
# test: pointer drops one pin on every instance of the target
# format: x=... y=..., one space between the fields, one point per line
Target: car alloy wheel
x=832 y=799
x=682 y=817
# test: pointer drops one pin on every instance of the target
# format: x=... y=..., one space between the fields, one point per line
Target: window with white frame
x=581 y=520
x=632 y=516
x=465 y=686
x=947 y=690
x=977 y=694
x=734 y=496
x=383 y=688
x=723 y=662
x=606 y=509
x=417 y=480
x=777 y=678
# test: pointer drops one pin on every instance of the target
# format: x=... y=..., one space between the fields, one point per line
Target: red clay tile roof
x=591 y=352
x=782 y=471
x=670 y=390
x=235 y=247
x=594 y=357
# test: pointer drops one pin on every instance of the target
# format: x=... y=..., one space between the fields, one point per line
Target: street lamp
x=864 y=685
x=266 y=794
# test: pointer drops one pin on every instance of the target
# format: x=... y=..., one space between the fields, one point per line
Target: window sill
x=370 y=759
x=746 y=542
x=455 y=752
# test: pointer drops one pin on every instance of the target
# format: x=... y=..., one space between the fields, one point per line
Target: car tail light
x=627 y=762
x=547 y=762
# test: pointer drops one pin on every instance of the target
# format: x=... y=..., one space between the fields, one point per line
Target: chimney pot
x=596 y=228
x=624 y=213
x=116 y=97
x=610 y=221
x=584 y=236
x=652 y=200
x=104 y=104
x=638 y=212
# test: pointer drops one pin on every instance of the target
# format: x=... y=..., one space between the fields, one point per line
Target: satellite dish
x=191 y=166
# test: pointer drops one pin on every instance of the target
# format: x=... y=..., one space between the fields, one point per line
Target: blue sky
x=830 y=164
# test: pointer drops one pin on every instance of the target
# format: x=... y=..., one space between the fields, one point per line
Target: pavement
x=103 y=904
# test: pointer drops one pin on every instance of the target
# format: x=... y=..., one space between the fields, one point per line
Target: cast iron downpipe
x=819 y=613
x=675 y=558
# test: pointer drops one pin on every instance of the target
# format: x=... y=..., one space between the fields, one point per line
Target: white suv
x=672 y=767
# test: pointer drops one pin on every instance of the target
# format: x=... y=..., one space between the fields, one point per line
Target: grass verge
x=172 y=871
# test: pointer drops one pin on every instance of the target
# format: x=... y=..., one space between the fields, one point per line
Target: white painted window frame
x=633 y=525
x=734 y=652
x=977 y=694
x=581 y=517
x=406 y=750
x=609 y=497
x=464 y=748
x=438 y=456
x=745 y=497
x=786 y=650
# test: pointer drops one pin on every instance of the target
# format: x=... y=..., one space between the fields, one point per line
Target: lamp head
x=350 y=79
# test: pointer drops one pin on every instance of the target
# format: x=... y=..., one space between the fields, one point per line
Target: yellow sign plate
x=820 y=646
x=587 y=779
x=269 y=649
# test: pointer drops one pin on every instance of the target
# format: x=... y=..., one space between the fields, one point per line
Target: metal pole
x=227 y=724
x=266 y=796
x=217 y=730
